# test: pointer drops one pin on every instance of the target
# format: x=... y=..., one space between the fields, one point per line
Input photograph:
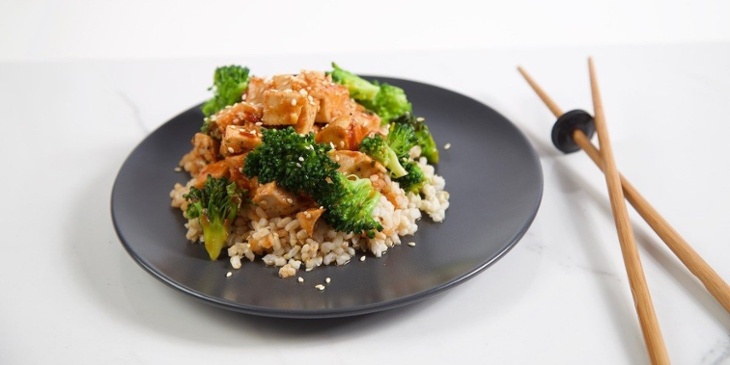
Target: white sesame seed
x=411 y=243
x=307 y=214
x=178 y=169
x=289 y=200
x=328 y=280
x=319 y=287
x=362 y=258
x=258 y=124
x=301 y=158
x=230 y=149
x=299 y=165
x=293 y=102
x=303 y=92
x=300 y=279
x=447 y=146
x=228 y=275
x=420 y=119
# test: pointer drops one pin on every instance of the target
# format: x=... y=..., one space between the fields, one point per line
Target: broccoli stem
x=215 y=235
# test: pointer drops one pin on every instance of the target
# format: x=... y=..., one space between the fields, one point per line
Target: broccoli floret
x=229 y=84
x=414 y=180
x=300 y=165
x=350 y=207
x=401 y=138
x=360 y=89
x=216 y=206
x=423 y=136
x=385 y=100
x=296 y=162
x=377 y=147
x=390 y=102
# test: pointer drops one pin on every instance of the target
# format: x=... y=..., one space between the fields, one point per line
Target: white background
x=82 y=83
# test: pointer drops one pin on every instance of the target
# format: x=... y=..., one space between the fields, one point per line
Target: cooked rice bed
x=282 y=242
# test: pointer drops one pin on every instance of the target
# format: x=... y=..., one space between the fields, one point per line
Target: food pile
x=307 y=170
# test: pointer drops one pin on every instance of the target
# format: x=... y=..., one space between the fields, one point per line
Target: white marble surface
x=71 y=294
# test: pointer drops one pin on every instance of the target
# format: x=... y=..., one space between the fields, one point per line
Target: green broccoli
x=377 y=147
x=216 y=206
x=350 y=205
x=360 y=89
x=229 y=84
x=385 y=100
x=423 y=136
x=300 y=165
x=401 y=138
x=414 y=180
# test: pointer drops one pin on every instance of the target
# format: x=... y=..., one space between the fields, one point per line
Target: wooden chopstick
x=684 y=252
x=719 y=289
x=637 y=281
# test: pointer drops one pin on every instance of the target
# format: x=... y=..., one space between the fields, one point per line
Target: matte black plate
x=491 y=171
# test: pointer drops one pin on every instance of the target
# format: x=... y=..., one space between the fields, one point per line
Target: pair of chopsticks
x=619 y=189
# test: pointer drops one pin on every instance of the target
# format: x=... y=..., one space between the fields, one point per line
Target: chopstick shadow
x=645 y=238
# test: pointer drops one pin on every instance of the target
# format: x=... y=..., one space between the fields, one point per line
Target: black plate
x=491 y=171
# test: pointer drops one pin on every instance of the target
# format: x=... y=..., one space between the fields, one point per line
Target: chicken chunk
x=308 y=218
x=239 y=139
x=338 y=133
x=235 y=170
x=356 y=163
x=255 y=91
x=333 y=100
x=347 y=131
x=276 y=201
x=204 y=152
x=216 y=170
x=288 y=108
x=237 y=114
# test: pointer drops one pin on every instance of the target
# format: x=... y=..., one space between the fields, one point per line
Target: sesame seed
x=289 y=200
x=228 y=275
x=447 y=146
x=420 y=119
x=300 y=279
x=303 y=92
x=293 y=102
x=301 y=158
x=258 y=124
x=362 y=258
x=178 y=169
x=299 y=165
x=307 y=214
x=411 y=243
x=328 y=280
x=319 y=287
x=230 y=149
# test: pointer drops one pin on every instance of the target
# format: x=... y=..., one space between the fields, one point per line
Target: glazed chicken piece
x=216 y=170
x=204 y=152
x=255 y=91
x=308 y=218
x=239 y=139
x=276 y=201
x=288 y=108
x=356 y=163
x=333 y=100
x=237 y=114
x=346 y=132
